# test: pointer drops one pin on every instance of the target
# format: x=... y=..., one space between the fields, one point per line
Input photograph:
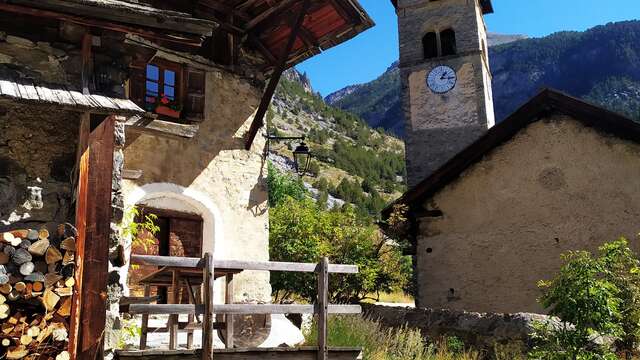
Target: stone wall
x=556 y=186
x=438 y=126
x=37 y=158
x=213 y=176
x=482 y=331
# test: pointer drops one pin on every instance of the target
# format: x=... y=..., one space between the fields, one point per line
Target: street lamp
x=301 y=154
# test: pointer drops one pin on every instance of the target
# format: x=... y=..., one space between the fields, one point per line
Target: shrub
x=592 y=297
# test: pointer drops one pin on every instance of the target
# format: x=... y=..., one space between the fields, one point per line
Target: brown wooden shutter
x=195 y=94
x=137 y=86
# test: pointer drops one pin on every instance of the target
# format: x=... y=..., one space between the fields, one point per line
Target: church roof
x=546 y=102
x=487 y=7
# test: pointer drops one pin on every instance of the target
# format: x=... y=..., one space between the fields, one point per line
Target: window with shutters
x=171 y=90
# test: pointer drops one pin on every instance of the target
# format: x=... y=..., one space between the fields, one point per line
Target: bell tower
x=446 y=79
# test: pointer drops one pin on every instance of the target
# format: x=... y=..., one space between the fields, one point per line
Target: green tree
x=302 y=232
x=282 y=186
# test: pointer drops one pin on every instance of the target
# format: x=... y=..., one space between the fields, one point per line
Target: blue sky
x=367 y=56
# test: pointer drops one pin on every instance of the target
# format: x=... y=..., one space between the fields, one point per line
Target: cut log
x=20 y=286
x=21 y=256
x=9 y=250
x=44 y=334
x=6 y=342
x=63 y=356
x=54 y=268
x=39 y=248
x=2 y=299
x=51 y=279
x=8 y=237
x=4 y=279
x=4 y=311
x=68 y=270
x=16 y=241
x=33 y=331
x=17 y=352
x=43 y=234
x=60 y=332
x=35 y=277
x=6 y=288
x=68 y=258
x=65 y=308
x=27 y=268
x=49 y=300
x=33 y=235
x=4 y=258
x=24 y=244
x=70 y=282
x=25 y=339
x=37 y=287
x=53 y=255
x=41 y=267
x=64 y=291
x=7 y=328
x=68 y=244
x=14 y=295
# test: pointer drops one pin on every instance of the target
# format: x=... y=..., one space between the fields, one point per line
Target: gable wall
x=556 y=186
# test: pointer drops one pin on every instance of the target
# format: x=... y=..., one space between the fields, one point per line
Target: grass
x=393 y=298
x=381 y=343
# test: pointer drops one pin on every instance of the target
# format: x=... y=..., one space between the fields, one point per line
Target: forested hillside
x=601 y=65
x=352 y=162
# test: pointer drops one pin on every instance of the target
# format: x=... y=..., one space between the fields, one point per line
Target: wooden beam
x=237 y=309
x=258 y=120
x=198 y=263
x=225 y=9
x=182 y=39
x=271 y=11
x=93 y=253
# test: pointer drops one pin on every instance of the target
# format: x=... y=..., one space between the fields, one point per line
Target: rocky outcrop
x=301 y=78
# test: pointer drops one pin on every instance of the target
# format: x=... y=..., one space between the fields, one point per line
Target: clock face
x=442 y=79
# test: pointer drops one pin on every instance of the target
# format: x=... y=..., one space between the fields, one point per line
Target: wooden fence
x=208 y=265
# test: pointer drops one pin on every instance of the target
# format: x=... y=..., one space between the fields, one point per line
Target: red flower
x=165 y=100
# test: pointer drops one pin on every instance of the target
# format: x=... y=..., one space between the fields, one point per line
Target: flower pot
x=167 y=111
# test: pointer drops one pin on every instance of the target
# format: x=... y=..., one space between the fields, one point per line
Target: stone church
x=492 y=207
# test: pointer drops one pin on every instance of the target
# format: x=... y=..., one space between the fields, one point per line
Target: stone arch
x=179 y=196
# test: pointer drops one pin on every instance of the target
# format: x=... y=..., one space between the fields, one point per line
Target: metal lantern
x=302 y=158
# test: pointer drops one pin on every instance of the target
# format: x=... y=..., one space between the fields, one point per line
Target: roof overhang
x=267 y=24
x=27 y=93
x=126 y=13
x=546 y=102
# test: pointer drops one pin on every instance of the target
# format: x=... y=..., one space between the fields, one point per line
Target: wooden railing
x=321 y=308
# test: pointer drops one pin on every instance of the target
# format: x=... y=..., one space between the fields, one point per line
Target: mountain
x=352 y=162
x=601 y=65
x=495 y=39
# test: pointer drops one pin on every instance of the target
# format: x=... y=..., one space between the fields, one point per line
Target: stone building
x=188 y=83
x=443 y=45
x=557 y=175
x=492 y=208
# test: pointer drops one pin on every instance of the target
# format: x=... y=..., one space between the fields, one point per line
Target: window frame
x=165 y=65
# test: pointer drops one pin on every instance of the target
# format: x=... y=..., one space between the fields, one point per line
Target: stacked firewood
x=36 y=289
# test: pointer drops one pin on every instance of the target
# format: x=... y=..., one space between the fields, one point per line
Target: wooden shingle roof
x=22 y=92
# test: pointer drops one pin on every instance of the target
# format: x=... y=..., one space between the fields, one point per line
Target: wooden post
x=323 y=308
x=229 y=317
x=207 y=324
x=174 y=319
x=145 y=321
x=93 y=248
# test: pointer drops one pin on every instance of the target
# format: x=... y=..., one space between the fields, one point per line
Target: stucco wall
x=557 y=186
x=213 y=175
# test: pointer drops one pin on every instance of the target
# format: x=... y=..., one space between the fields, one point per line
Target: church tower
x=446 y=80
